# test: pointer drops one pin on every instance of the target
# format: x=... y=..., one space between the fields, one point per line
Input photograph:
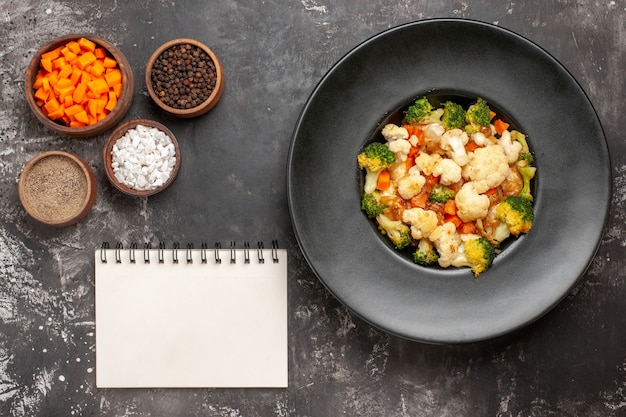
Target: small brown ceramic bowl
x=59 y=125
x=57 y=188
x=125 y=183
x=177 y=89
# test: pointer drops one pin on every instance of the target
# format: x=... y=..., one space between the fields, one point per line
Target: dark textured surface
x=572 y=362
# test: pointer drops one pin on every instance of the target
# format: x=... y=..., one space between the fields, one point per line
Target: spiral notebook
x=184 y=317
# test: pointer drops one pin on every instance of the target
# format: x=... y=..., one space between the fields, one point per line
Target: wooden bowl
x=157 y=92
x=57 y=188
x=116 y=114
x=108 y=157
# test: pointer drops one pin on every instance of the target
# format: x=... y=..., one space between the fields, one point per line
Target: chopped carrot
x=410 y=161
x=465 y=228
x=454 y=219
x=500 y=126
x=100 y=53
x=431 y=180
x=112 y=101
x=490 y=191
x=492 y=114
x=113 y=77
x=71 y=87
x=98 y=86
x=471 y=146
x=449 y=207
x=384 y=180
x=46 y=63
x=420 y=200
x=85 y=60
x=86 y=45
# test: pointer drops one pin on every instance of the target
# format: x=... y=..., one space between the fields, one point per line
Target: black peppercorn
x=191 y=74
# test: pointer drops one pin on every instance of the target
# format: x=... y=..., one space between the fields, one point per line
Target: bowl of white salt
x=141 y=157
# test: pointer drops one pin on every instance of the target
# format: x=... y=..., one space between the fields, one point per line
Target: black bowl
x=467 y=59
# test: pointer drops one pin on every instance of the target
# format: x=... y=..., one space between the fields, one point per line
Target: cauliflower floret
x=427 y=162
x=433 y=132
x=410 y=185
x=446 y=240
x=448 y=171
x=392 y=132
x=400 y=147
x=453 y=142
x=511 y=148
x=422 y=222
x=480 y=139
x=470 y=205
x=487 y=168
x=398 y=170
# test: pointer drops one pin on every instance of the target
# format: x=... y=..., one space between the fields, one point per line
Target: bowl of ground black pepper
x=57 y=188
x=185 y=78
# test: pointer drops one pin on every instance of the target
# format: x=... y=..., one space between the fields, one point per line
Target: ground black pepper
x=183 y=76
x=56 y=188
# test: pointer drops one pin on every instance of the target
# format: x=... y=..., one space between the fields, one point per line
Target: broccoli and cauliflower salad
x=449 y=183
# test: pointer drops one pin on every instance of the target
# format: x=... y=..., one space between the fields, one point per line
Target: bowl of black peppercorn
x=184 y=78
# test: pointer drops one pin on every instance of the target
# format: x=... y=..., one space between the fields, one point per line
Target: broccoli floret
x=477 y=116
x=417 y=111
x=399 y=233
x=422 y=112
x=479 y=254
x=425 y=254
x=440 y=193
x=374 y=158
x=528 y=173
x=453 y=115
x=371 y=205
x=517 y=212
x=525 y=157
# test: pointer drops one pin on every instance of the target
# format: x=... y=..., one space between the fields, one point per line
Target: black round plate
x=471 y=59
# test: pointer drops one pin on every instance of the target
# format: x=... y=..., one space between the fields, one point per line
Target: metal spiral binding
x=246 y=252
x=118 y=252
x=146 y=252
x=161 y=250
x=218 y=246
x=233 y=253
x=275 y=251
x=189 y=249
x=175 y=248
x=133 y=247
x=189 y=252
x=259 y=247
x=103 y=252
x=203 y=249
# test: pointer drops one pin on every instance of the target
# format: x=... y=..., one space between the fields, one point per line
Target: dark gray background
x=572 y=362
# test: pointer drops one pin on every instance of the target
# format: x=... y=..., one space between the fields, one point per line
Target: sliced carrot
x=82 y=117
x=449 y=207
x=71 y=87
x=471 y=146
x=109 y=62
x=420 y=200
x=113 y=77
x=500 y=126
x=466 y=228
x=492 y=114
x=46 y=63
x=454 y=219
x=100 y=53
x=85 y=60
x=98 y=86
x=86 y=45
x=384 y=180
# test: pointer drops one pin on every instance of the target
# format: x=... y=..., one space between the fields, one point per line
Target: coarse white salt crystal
x=143 y=159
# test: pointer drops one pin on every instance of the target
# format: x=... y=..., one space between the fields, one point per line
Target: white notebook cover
x=191 y=324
